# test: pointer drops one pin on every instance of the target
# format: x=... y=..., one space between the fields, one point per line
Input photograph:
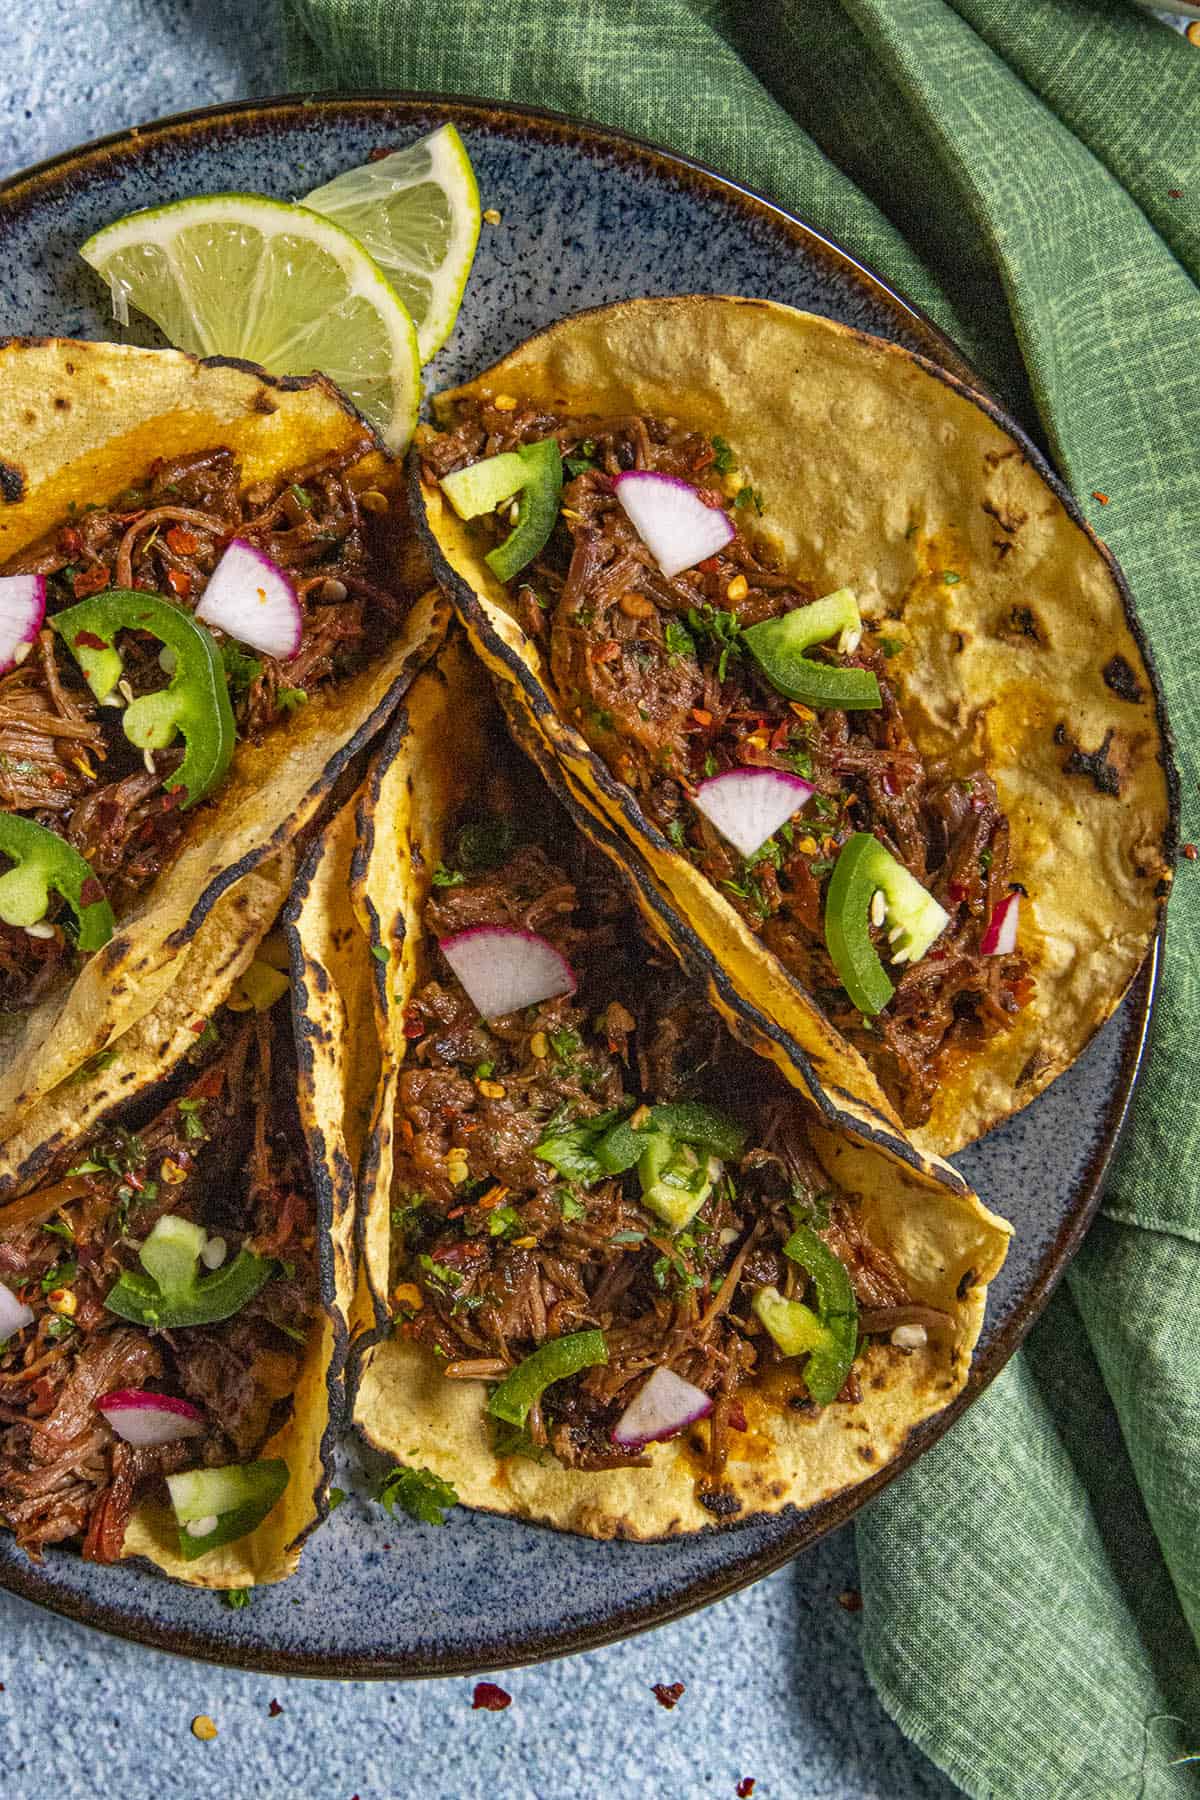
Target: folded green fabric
x=1029 y=171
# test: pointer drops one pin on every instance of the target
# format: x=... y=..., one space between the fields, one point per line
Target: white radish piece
x=662 y=1408
x=504 y=969
x=748 y=806
x=251 y=599
x=671 y=519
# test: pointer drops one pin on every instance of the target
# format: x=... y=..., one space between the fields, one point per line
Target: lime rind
x=309 y=296
x=416 y=211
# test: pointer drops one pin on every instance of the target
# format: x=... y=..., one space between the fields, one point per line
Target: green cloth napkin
x=1029 y=171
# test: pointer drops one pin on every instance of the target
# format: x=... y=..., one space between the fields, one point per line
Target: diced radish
x=671 y=519
x=660 y=1410
x=251 y=598
x=504 y=969
x=22 y=609
x=748 y=806
x=1000 y=938
x=14 y=1314
x=140 y=1417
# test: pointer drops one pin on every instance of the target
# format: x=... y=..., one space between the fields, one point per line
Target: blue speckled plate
x=587 y=217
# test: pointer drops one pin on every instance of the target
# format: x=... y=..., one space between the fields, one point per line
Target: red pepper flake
x=780 y=735
x=1176 y=193
x=87 y=640
x=735 y=1418
x=274 y=1709
x=489 y=1698
x=710 y=566
x=956 y=892
x=90 y=892
x=198 y=1026
x=70 y=541
x=850 y=1600
x=413 y=1028
x=1190 y=851
x=89 y=581
x=606 y=652
x=179 y=582
x=1102 y=498
x=668 y=1697
x=182 y=541
x=745 y=1787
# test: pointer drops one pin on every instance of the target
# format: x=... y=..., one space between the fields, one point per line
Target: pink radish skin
x=250 y=598
x=748 y=806
x=22 y=610
x=661 y=1409
x=671 y=519
x=140 y=1417
x=1000 y=938
x=504 y=969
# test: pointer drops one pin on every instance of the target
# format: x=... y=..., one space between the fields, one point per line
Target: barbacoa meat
x=64 y=760
x=495 y=1251
x=209 y=1156
x=651 y=671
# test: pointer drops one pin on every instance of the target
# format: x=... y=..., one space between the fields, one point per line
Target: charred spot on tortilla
x=1103 y=774
x=1022 y=623
x=12 y=483
x=721 y=1502
x=1121 y=679
x=263 y=403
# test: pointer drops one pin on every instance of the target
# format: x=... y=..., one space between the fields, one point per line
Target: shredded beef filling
x=64 y=760
x=495 y=1252
x=236 y=1169
x=651 y=671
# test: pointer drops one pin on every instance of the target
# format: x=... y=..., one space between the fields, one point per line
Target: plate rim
x=21 y=1579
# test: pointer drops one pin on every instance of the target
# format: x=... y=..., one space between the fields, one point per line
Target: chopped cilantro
x=628 y=1237
x=484 y=844
x=571 y=1206
x=719 y=630
x=236 y=1599
x=59 y=1275
x=443 y=877
x=710 y=764
x=301 y=496
x=891 y=646
x=749 y=496
x=94 y=1065
x=503 y=1219
x=798 y=761
x=418 y=1492
x=441 y=1274
x=950 y=578
x=484 y=1070
x=678 y=639
x=61 y=1228
x=193 y=1125
x=564 y=1045
x=985 y=860
x=288 y=699
x=59 y=1329
x=676 y=833
x=514 y=1440
x=569 y=1148
x=723 y=457
x=809 y=1209
x=337 y=1497
x=380 y=952
x=241 y=670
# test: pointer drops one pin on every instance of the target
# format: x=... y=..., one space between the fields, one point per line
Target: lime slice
x=238 y=275
x=417 y=212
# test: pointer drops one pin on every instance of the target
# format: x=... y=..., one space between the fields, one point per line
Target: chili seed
x=878 y=907
x=63 y=1302
x=373 y=501
x=491 y=1090
x=491 y=215
x=203 y=1728
x=172 y=1172
x=332 y=589
x=738 y=588
x=505 y=403
x=539 y=1045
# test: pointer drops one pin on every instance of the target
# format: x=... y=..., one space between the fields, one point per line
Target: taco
x=824 y=639
x=210 y=600
x=625 y=1281
x=175 y=1330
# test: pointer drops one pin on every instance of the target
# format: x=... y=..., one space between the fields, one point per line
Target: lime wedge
x=417 y=212
x=238 y=275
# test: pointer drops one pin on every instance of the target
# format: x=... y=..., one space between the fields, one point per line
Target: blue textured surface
x=774 y=1685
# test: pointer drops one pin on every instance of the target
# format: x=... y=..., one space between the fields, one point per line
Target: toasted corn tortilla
x=223 y=949
x=337 y=1065
x=880 y=472
x=941 y=1236
x=79 y=422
